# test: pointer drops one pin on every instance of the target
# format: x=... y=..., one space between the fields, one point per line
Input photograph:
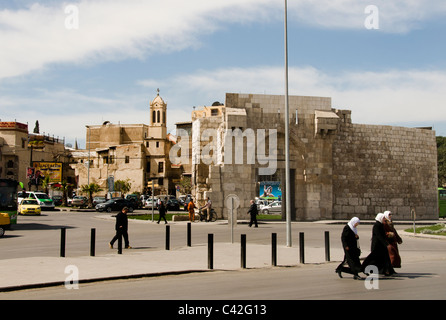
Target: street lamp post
x=287 y=141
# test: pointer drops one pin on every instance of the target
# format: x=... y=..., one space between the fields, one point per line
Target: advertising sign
x=270 y=190
x=51 y=169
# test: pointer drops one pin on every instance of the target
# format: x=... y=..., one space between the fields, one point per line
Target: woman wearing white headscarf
x=393 y=238
x=349 y=238
x=379 y=255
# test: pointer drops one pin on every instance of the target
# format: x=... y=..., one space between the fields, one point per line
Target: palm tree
x=64 y=186
x=90 y=189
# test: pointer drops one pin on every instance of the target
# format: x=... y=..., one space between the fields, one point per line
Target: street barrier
x=189 y=235
x=167 y=237
x=93 y=242
x=274 y=249
x=243 y=245
x=301 y=247
x=327 y=246
x=210 y=251
x=62 y=241
x=243 y=251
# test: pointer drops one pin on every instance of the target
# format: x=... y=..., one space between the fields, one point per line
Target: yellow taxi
x=29 y=206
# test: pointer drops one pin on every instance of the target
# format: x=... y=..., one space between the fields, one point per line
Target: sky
x=69 y=64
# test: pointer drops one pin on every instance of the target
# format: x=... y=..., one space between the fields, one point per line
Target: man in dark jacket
x=253 y=213
x=121 y=228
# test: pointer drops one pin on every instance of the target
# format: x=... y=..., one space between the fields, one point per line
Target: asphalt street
x=422 y=276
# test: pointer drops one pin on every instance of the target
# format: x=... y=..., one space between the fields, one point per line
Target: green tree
x=441 y=151
x=91 y=189
x=122 y=186
x=64 y=187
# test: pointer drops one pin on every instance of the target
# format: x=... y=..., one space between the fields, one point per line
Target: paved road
x=416 y=280
x=422 y=276
x=36 y=236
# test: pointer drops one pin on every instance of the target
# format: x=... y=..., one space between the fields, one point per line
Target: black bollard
x=301 y=247
x=62 y=242
x=93 y=242
x=189 y=235
x=243 y=250
x=210 y=251
x=274 y=249
x=167 y=237
x=327 y=246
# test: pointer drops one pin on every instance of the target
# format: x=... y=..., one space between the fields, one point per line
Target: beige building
x=20 y=150
x=337 y=169
x=136 y=153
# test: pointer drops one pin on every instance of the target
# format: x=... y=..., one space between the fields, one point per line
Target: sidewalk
x=49 y=271
x=36 y=272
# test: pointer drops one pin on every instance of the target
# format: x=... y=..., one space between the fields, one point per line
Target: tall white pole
x=287 y=141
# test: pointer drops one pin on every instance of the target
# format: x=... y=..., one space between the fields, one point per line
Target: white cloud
x=392 y=96
x=36 y=36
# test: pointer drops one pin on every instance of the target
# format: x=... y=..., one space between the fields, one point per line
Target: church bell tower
x=158 y=128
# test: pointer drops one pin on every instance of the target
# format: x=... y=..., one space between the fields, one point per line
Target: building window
x=160 y=167
x=127 y=159
x=157 y=144
x=214 y=112
x=153 y=116
x=158 y=120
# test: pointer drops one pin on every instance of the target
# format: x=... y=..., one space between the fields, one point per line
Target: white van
x=45 y=202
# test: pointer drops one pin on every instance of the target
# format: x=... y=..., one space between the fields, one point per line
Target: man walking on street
x=121 y=228
x=253 y=213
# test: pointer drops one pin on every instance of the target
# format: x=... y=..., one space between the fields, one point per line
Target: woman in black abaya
x=379 y=255
x=349 y=238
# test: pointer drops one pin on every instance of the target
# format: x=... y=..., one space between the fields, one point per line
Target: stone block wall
x=378 y=168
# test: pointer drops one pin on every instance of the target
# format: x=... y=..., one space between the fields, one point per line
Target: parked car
x=98 y=200
x=273 y=207
x=137 y=203
x=29 y=206
x=79 y=201
x=148 y=204
x=173 y=205
x=42 y=198
x=115 y=204
x=57 y=200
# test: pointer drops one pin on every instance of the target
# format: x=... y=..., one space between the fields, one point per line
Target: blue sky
x=110 y=66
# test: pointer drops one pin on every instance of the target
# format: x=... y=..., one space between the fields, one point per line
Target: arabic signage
x=51 y=169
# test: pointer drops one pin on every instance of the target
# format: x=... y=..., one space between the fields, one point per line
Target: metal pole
x=167 y=237
x=302 y=247
x=232 y=220
x=92 y=242
x=153 y=203
x=210 y=251
x=189 y=234
x=274 y=249
x=243 y=251
x=62 y=242
x=287 y=140
x=327 y=246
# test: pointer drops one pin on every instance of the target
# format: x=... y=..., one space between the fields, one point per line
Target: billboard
x=270 y=190
x=51 y=169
